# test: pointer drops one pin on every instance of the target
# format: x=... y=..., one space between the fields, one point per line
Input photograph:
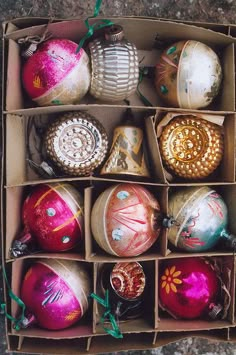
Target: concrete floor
x=219 y=11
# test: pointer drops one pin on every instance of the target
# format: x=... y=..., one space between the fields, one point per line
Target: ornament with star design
x=189 y=288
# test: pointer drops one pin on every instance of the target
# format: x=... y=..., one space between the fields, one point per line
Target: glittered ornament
x=77 y=143
x=188 y=75
x=191 y=147
x=55 y=293
x=125 y=220
x=189 y=288
x=52 y=215
x=115 y=66
x=200 y=219
x=56 y=74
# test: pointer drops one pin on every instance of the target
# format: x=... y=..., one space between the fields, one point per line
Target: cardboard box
x=154 y=328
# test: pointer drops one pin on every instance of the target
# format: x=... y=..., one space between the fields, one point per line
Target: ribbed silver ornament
x=115 y=66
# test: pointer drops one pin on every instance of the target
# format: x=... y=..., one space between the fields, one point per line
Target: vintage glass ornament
x=55 y=293
x=189 y=288
x=126 y=156
x=126 y=283
x=115 y=66
x=53 y=218
x=191 y=147
x=188 y=75
x=77 y=143
x=56 y=73
x=125 y=220
x=200 y=218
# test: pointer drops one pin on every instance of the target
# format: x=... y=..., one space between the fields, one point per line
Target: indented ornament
x=55 y=293
x=77 y=143
x=126 y=155
x=191 y=147
x=55 y=74
x=188 y=75
x=115 y=66
x=189 y=288
x=128 y=280
x=201 y=217
x=126 y=283
x=53 y=219
x=125 y=220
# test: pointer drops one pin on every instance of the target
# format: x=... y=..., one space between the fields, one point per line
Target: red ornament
x=56 y=73
x=188 y=288
x=53 y=216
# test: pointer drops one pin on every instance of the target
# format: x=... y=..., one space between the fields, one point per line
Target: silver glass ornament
x=115 y=66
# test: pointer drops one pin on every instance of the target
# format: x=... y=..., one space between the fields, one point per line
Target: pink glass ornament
x=55 y=293
x=56 y=74
x=53 y=215
x=125 y=220
x=188 y=288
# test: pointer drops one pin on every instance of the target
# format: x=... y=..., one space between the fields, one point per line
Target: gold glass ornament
x=191 y=147
x=77 y=143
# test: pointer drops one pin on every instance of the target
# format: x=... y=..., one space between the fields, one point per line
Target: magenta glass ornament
x=53 y=216
x=56 y=73
x=189 y=288
x=55 y=293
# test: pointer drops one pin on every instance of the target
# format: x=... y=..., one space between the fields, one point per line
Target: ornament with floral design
x=189 y=288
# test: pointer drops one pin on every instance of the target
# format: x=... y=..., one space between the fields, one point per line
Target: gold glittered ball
x=77 y=143
x=191 y=147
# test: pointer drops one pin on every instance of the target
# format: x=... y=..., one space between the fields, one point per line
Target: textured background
x=219 y=11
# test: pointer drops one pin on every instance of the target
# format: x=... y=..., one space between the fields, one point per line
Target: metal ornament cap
x=125 y=220
x=115 y=66
x=56 y=292
x=77 y=143
x=188 y=75
x=191 y=147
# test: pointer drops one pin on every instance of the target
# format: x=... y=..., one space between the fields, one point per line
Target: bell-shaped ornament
x=200 y=218
x=115 y=66
x=126 y=156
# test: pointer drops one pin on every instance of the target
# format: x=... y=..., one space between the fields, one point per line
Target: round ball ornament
x=76 y=143
x=115 y=66
x=53 y=218
x=200 y=220
x=191 y=147
x=55 y=293
x=125 y=220
x=189 y=288
x=56 y=74
x=188 y=75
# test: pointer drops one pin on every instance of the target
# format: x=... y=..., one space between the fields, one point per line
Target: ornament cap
x=28 y=321
x=214 y=310
x=21 y=246
x=230 y=239
x=114 y=33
